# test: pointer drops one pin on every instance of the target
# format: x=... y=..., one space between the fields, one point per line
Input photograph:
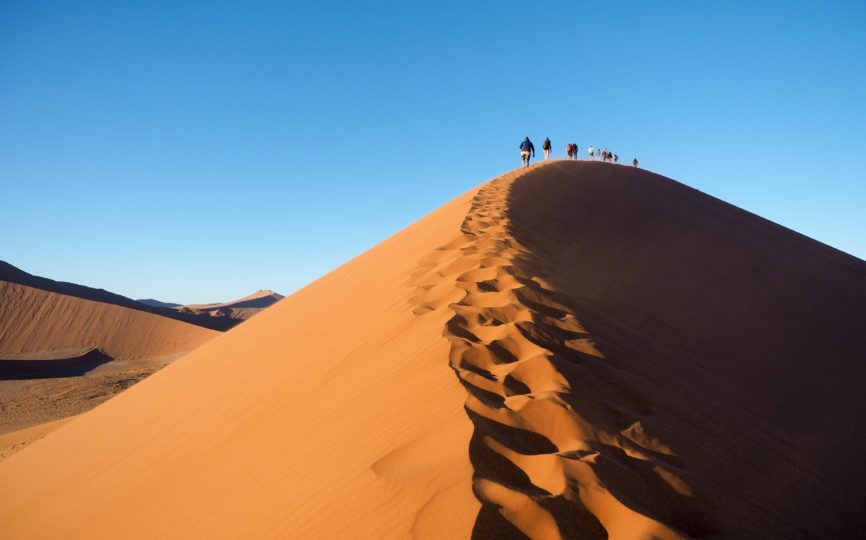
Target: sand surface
x=16 y=441
x=580 y=350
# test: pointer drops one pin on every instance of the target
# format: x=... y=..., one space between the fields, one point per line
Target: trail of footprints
x=558 y=448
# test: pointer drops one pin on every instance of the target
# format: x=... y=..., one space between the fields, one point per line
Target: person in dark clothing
x=569 y=150
x=526 y=149
x=546 y=147
x=574 y=150
x=634 y=162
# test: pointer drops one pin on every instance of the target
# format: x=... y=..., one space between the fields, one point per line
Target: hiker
x=634 y=162
x=568 y=150
x=615 y=158
x=546 y=147
x=590 y=152
x=574 y=150
x=526 y=149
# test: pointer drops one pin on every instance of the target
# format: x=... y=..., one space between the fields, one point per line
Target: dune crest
x=550 y=416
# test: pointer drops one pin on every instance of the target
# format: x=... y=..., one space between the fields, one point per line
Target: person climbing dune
x=546 y=147
x=526 y=149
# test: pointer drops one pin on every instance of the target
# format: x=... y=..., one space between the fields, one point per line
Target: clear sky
x=198 y=151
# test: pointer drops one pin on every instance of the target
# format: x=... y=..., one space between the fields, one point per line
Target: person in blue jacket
x=526 y=149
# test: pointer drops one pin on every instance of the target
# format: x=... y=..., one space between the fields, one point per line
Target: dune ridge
x=550 y=416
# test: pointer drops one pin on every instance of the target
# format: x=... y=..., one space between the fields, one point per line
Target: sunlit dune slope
x=34 y=320
x=580 y=350
x=332 y=413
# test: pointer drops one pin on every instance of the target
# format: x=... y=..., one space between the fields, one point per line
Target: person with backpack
x=526 y=148
x=634 y=162
x=546 y=147
x=615 y=158
x=569 y=151
x=574 y=151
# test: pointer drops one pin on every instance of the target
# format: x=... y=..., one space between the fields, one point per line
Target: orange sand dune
x=633 y=359
x=34 y=320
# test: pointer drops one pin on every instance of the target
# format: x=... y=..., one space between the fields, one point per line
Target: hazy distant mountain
x=156 y=303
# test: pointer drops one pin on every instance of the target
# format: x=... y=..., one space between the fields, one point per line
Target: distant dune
x=11 y=274
x=633 y=359
x=239 y=310
x=236 y=310
x=33 y=320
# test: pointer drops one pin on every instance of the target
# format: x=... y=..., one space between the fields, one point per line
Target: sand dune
x=33 y=320
x=11 y=274
x=633 y=359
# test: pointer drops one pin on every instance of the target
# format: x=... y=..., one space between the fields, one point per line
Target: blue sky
x=198 y=151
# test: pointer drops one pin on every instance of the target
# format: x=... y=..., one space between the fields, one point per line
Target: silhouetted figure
x=546 y=147
x=634 y=162
x=526 y=149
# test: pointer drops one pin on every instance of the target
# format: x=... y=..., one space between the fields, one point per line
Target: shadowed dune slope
x=744 y=340
x=331 y=414
x=35 y=320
